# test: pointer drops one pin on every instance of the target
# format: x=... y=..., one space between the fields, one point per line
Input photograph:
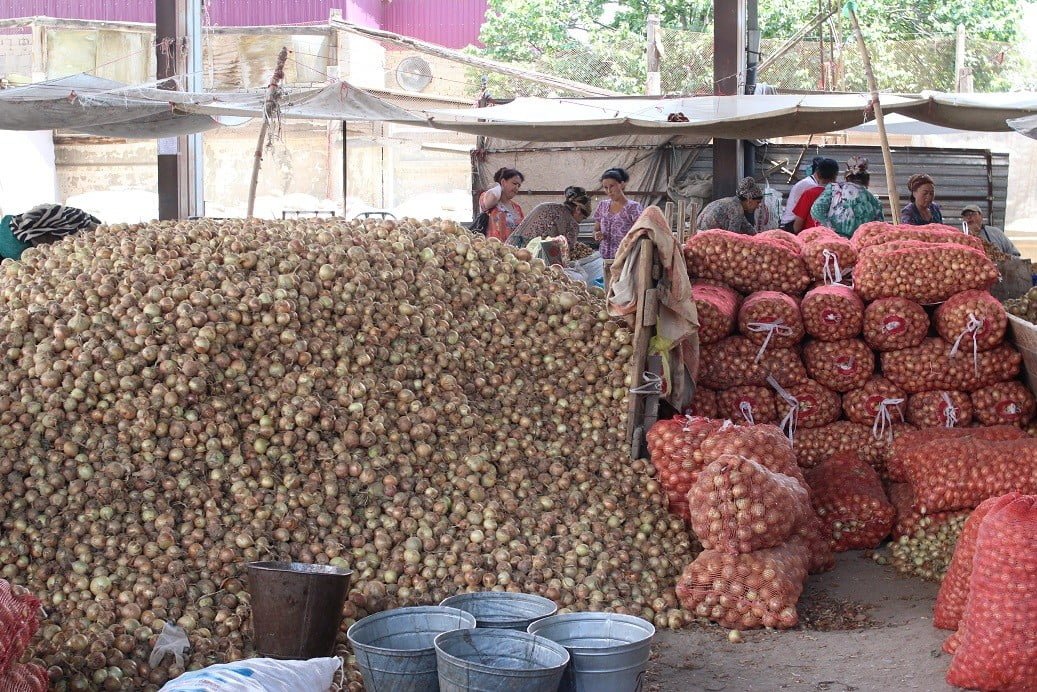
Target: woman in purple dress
x=616 y=215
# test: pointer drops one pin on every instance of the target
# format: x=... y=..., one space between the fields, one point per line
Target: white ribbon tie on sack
x=653 y=384
x=971 y=327
x=771 y=328
x=791 y=419
x=950 y=413
x=883 y=425
x=831 y=273
x=747 y=412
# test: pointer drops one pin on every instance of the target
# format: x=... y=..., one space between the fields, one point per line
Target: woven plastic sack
x=716 y=586
x=829 y=257
x=847 y=495
x=747 y=404
x=25 y=677
x=929 y=233
x=703 y=403
x=971 y=321
x=816 y=405
x=738 y=506
x=717 y=307
x=908 y=519
x=960 y=474
x=944 y=408
x=954 y=589
x=811 y=531
x=745 y=263
x=19 y=620
x=891 y=324
x=929 y=367
x=832 y=313
x=764 y=444
x=839 y=365
x=879 y=403
x=732 y=362
x=923 y=272
x=673 y=446
x=998 y=646
x=771 y=319
x=1005 y=403
x=905 y=442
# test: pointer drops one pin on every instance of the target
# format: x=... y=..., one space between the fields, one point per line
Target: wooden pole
x=653 y=86
x=268 y=108
x=887 y=157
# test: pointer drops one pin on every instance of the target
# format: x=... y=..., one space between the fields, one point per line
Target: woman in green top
x=40 y=225
x=845 y=206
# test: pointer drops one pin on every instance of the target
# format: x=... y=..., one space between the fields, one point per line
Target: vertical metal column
x=728 y=68
x=752 y=59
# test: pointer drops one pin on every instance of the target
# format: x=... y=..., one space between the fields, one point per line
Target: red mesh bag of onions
x=839 y=365
x=929 y=233
x=674 y=447
x=815 y=404
x=27 y=677
x=866 y=231
x=717 y=307
x=832 y=313
x=923 y=272
x=929 y=366
x=944 y=408
x=891 y=324
x=745 y=263
x=954 y=589
x=847 y=495
x=789 y=241
x=908 y=519
x=747 y=404
x=19 y=620
x=771 y=319
x=746 y=591
x=961 y=473
x=878 y=400
x=827 y=254
x=1004 y=403
x=997 y=646
x=764 y=444
x=703 y=403
x=907 y=441
x=820 y=556
x=738 y=506
x=732 y=362
x=972 y=321
x=814 y=445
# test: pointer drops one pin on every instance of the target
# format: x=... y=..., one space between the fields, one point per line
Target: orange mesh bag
x=997 y=646
x=832 y=313
x=972 y=321
x=1004 y=403
x=929 y=366
x=827 y=254
x=944 y=408
x=879 y=402
x=847 y=495
x=738 y=506
x=732 y=362
x=929 y=233
x=746 y=591
x=923 y=272
x=959 y=474
x=919 y=438
x=790 y=241
x=954 y=589
x=815 y=404
x=747 y=404
x=891 y=324
x=814 y=445
x=764 y=444
x=811 y=531
x=839 y=365
x=717 y=308
x=868 y=230
x=703 y=403
x=674 y=447
x=25 y=677
x=908 y=519
x=745 y=263
x=19 y=620
x=770 y=319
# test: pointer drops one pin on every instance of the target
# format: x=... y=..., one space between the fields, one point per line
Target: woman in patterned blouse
x=552 y=219
x=845 y=206
x=616 y=215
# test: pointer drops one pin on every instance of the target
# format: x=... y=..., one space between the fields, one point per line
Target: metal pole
x=194 y=144
x=728 y=68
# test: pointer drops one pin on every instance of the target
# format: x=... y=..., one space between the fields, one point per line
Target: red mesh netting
x=27 y=677
x=19 y=620
x=1004 y=403
x=832 y=313
x=847 y=495
x=915 y=438
x=747 y=404
x=929 y=367
x=771 y=318
x=827 y=254
x=732 y=362
x=839 y=365
x=944 y=408
x=717 y=308
x=929 y=233
x=746 y=591
x=818 y=405
x=820 y=556
x=865 y=405
x=814 y=445
x=703 y=403
x=790 y=241
x=891 y=324
x=997 y=646
x=764 y=444
x=738 y=506
x=674 y=447
x=975 y=320
x=954 y=589
x=923 y=272
x=908 y=519
x=745 y=263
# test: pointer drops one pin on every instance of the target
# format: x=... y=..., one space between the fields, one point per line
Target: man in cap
x=973 y=218
x=737 y=214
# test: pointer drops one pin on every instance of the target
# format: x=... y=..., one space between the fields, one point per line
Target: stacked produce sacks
x=19 y=621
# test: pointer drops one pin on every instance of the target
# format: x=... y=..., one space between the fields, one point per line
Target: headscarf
x=577 y=198
x=51 y=219
x=918 y=180
x=748 y=189
x=856 y=165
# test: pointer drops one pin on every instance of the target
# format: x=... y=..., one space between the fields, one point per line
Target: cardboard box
x=1024 y=335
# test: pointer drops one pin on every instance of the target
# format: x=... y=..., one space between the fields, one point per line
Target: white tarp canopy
x=1025 y=126
x=897 y=124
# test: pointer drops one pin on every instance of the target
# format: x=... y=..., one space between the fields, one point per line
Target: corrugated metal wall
x=450 y=23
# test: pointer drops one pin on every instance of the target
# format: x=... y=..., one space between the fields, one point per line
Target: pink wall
x=450 y=23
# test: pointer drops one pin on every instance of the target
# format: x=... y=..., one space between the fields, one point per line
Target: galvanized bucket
x=503 y=610
x=496 y=660
x=395 y=649
x=609 y=651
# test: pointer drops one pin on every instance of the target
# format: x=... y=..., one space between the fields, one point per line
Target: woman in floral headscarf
x=845 y=206
x=736 y=214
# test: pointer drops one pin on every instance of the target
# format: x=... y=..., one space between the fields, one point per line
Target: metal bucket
x=395 y=650
x=503 y=610
x=296 y=608
x=609 y=651
x=497 y=660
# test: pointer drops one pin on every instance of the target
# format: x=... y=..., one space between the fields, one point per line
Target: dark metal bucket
x=296 y=608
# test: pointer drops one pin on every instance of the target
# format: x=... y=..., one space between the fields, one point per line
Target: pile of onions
x=891 y=324
x=945 y=408
x=930 y=367
x=1004 y=403
x=847 y=495
x=926 y=553
x=433 y=410
x=832 y=313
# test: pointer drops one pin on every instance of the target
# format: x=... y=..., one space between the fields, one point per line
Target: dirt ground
x=863 y=627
